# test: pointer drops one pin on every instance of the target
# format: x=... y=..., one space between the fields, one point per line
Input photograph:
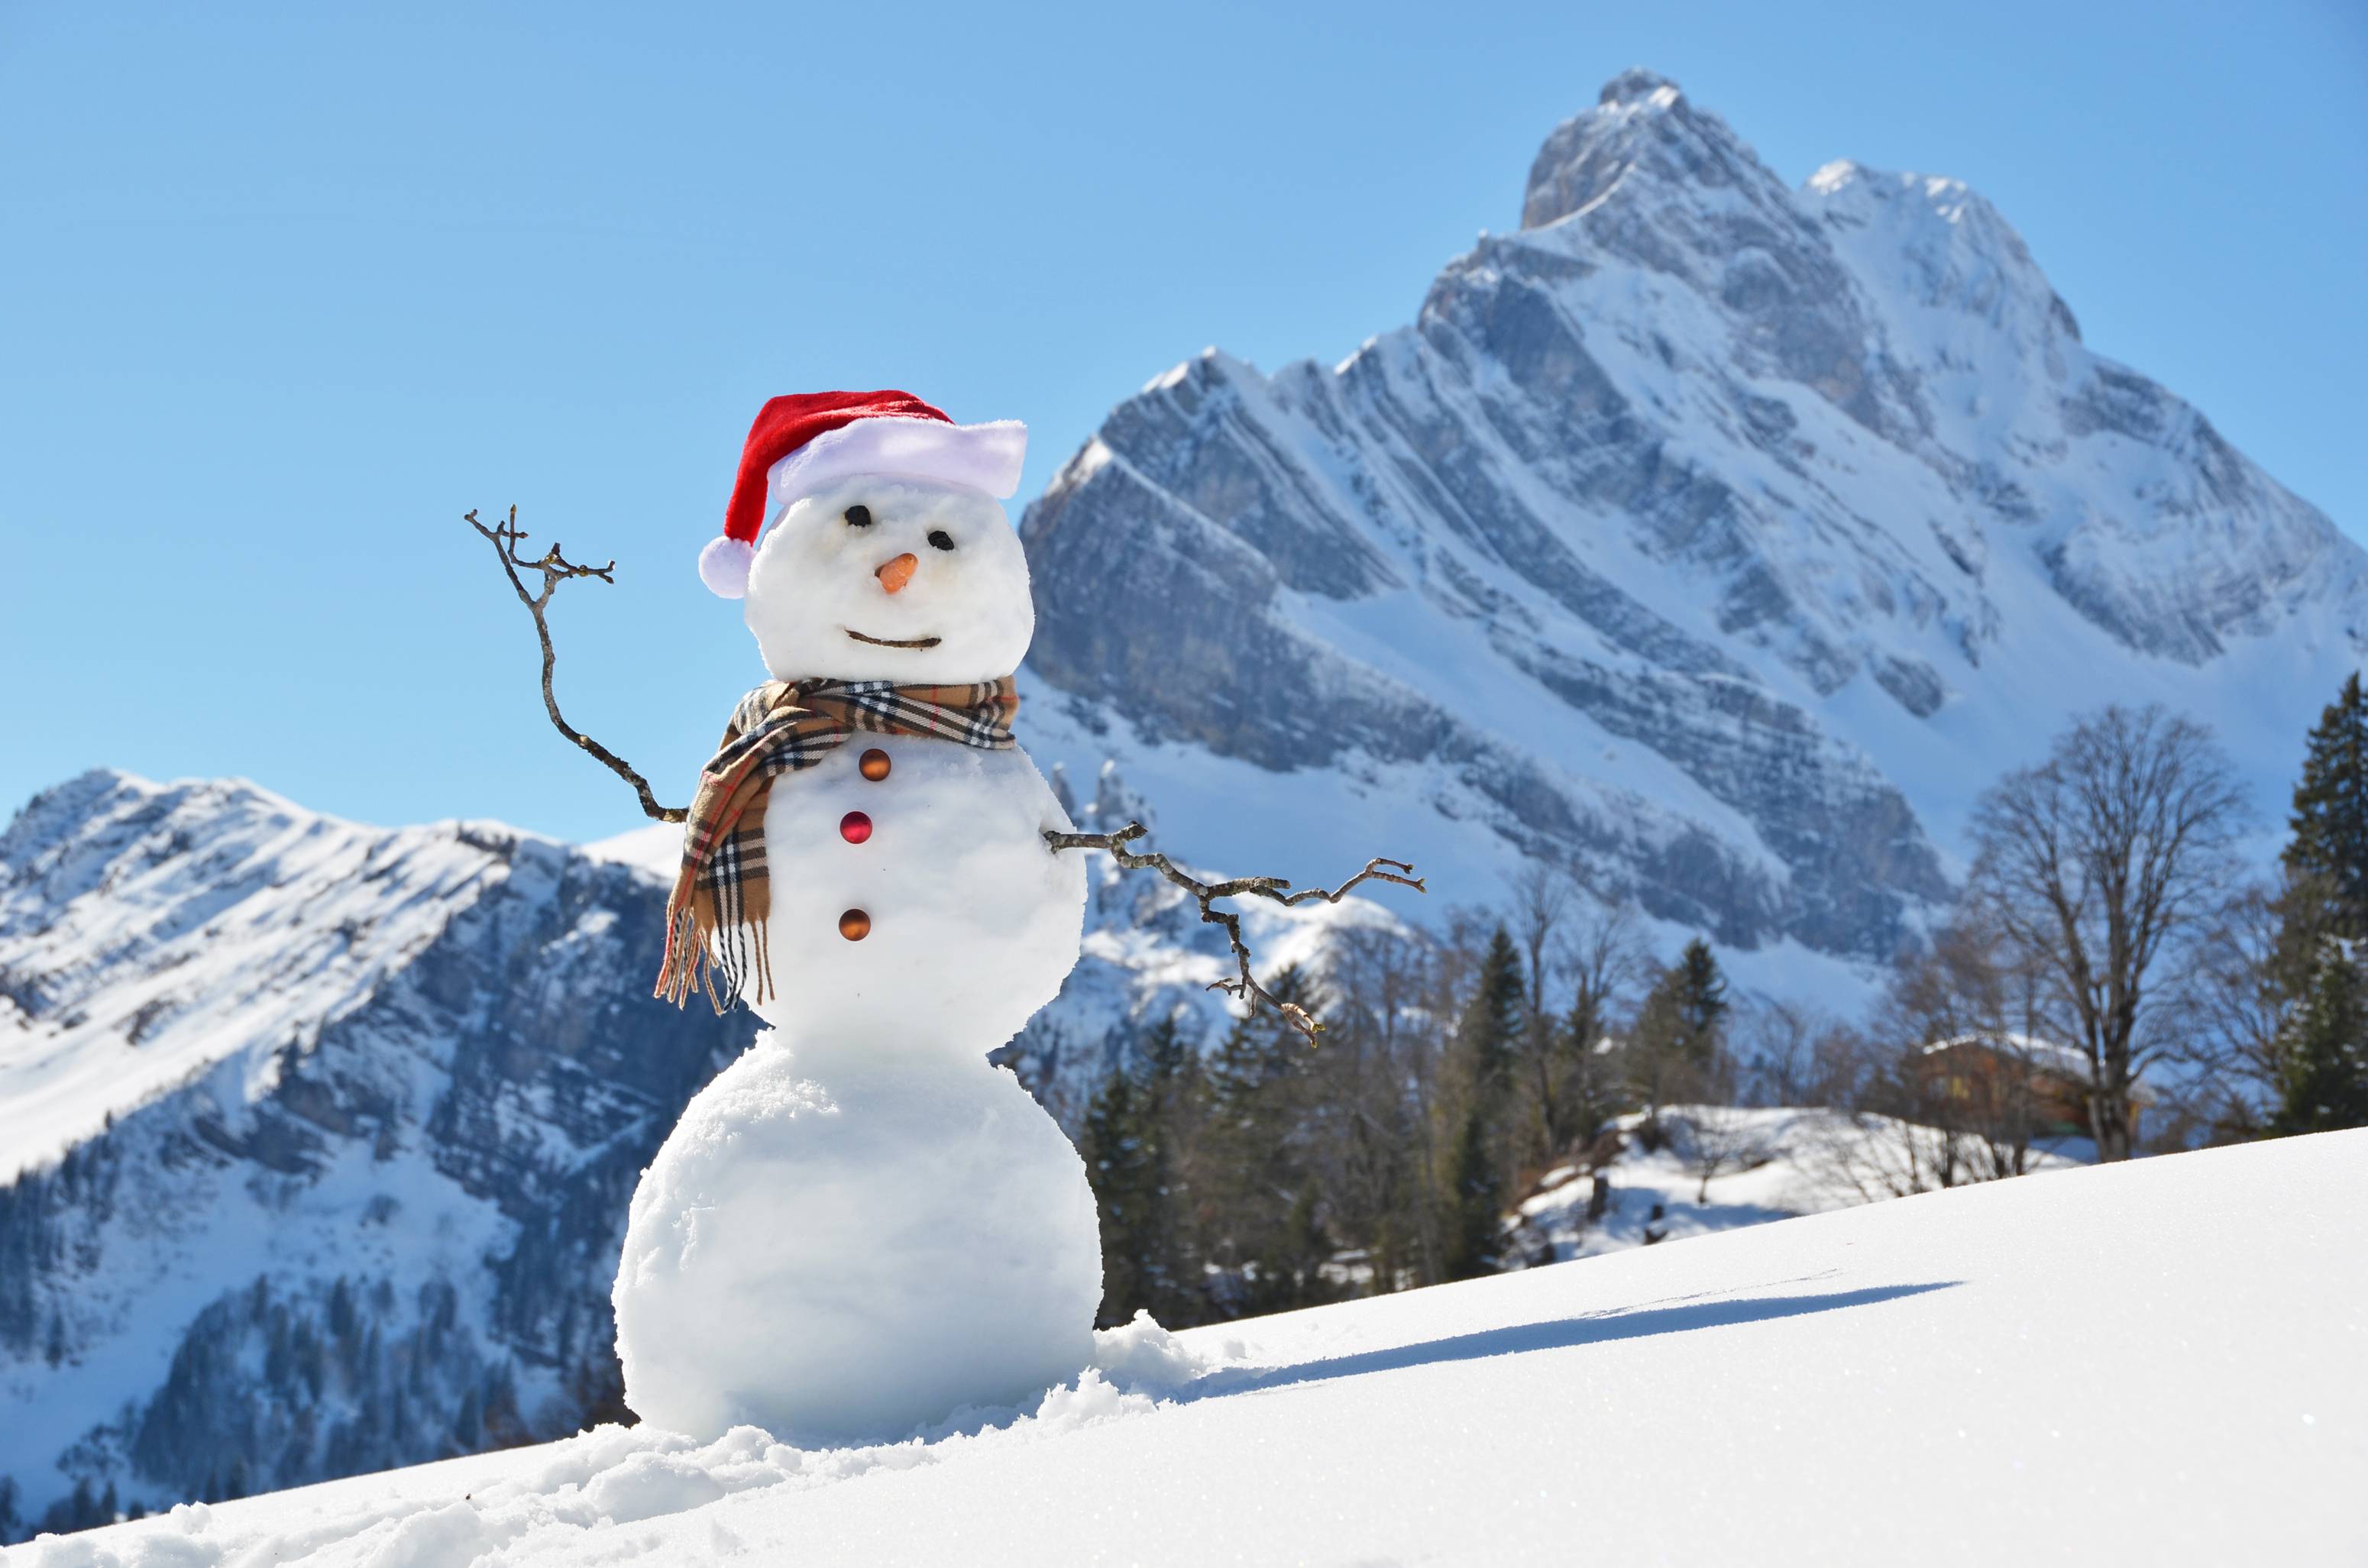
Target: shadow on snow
x=1596 y=1328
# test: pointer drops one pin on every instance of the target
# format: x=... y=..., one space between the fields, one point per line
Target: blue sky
x=287 y=289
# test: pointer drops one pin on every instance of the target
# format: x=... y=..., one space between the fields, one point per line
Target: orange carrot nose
x=894 y=574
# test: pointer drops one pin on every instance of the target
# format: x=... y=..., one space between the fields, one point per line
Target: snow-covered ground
x=2163 y=1363
x=1765 y=1164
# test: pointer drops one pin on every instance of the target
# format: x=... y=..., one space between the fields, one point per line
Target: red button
x=855 y=828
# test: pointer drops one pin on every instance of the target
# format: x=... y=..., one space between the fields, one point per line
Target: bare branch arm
x=1245 y=988
x=556 y=569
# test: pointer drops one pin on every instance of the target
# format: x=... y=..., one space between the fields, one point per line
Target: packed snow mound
x=843 y=1240
x=2164 y=1361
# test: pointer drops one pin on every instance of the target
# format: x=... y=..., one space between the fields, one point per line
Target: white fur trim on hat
x=723 y=566
x=979 y=457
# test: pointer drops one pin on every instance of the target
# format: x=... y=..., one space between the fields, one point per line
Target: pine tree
x=2323 y=1065
x=1674 y=1049
x=1587 y=1096
x=1491 y=1028
x=2330 y=811
x=1173 y=1108
x=1486 y=1037
x=1701 y=993
x=1259 y=1211
x=1120 y=1159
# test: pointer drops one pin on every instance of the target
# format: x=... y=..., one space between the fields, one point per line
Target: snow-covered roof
x=2040 y=1053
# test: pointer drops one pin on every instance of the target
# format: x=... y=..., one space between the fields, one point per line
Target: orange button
x=855 y=925
x=874 y=764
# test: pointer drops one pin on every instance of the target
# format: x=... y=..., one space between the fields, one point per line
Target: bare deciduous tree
x=1543 y=893
x=2095 y=865
x=1603 y=956
x=1715 y=1135
x=1776 y=1052
x=2250 y=968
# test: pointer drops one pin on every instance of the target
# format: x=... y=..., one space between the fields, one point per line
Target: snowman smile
x=892 y=642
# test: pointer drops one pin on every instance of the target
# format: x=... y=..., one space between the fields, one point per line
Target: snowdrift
x=2158 y=1362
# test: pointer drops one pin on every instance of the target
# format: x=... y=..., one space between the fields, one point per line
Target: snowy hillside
x=1721 y=537
x=348 y=1119
x=1723 y=1168
x=2159 y=1362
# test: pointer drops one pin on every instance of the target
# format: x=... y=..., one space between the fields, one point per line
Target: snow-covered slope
x=315 y=1139
x=1763 y=1163
x=2162 y=1362
x=1718 y=537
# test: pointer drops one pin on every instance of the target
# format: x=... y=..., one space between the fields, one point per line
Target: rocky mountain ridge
x=1716 y=538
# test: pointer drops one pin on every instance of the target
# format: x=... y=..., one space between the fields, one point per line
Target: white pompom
x=723 y=566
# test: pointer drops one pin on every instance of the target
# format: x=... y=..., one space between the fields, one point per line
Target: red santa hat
x=810 y=441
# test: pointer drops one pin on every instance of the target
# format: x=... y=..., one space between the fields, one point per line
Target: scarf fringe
x=730 y=963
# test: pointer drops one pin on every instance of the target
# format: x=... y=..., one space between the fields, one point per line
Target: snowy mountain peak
x=1716 y=538
x=1949 y=250
x=1643 y=131
x=1637 y=84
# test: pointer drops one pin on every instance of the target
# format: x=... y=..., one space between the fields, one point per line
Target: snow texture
x=843 y=1242
x=975 y=920
x=1767 y=1163
x=2162 y=1361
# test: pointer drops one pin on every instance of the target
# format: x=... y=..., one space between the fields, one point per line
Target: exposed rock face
x=1781 y=496
x=349 y=1120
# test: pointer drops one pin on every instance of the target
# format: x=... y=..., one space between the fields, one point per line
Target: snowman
x=861 y=1228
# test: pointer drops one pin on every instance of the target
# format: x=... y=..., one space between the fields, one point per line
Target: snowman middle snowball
x=861 y=1228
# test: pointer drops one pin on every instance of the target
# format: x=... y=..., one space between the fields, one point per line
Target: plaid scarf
x=715 y=920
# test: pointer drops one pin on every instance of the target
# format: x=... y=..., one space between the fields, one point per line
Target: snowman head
x=879 y=578
x=867 y=536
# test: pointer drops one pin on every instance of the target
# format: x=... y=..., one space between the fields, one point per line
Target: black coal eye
x=942 y=540
x=858 y=517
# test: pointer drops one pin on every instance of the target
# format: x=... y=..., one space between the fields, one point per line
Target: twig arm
x=505 y=535
x=1245 y=987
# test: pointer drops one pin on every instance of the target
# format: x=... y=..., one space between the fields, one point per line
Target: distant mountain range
x=1715 y=538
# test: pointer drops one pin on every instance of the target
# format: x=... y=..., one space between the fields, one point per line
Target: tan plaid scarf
x=715 y=920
